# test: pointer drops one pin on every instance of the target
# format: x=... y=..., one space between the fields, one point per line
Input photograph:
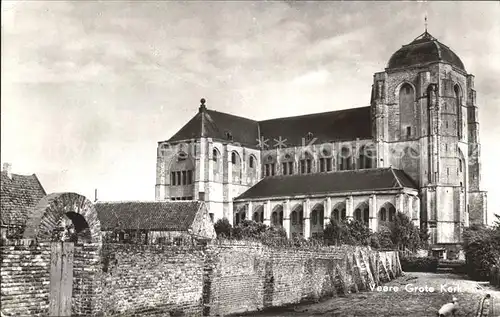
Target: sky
x=90 y=87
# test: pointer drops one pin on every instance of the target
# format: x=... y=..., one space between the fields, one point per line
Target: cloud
x=312 y=78
x=106 y=80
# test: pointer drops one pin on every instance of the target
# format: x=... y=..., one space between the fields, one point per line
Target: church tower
x=425 y=121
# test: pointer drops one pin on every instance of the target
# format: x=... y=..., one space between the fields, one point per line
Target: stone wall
x=219 y=279
x=25 y=272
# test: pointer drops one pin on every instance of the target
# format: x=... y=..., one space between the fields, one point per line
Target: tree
x=223 y=228
x=482 y=250
x=404 y=234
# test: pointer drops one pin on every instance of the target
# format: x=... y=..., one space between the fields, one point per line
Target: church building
x=415 y=149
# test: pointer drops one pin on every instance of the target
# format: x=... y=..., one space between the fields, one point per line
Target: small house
x=155 y=222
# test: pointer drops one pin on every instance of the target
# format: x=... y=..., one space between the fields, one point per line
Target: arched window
x=294 y=217
x=366 y=215
x=458 y=107
x=392 y=213
x=314 y=217
x=251 y=161
x=407 y=111
x=236 y=168
x=217 y=164
x=357 y=214
x=277 y=216
x=383 y=214
x=269 y=167
x=181 y=170
x=345 y=159
x=336 y=215
x=366 y=155
x=287 y=165
x=306 y=164
x=256 y=216
x=274 y=218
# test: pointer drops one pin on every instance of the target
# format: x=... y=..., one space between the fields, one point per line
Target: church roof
x=217 y=125
x=330 y=182
x=19 y=194
x=152 y=215
x=424 y=49
x=339 y=125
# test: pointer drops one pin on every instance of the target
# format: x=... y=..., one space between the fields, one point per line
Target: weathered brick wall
x=223 y=278
x=152 y=280
x=87 y=280
x=248 y=276
x=25 y=286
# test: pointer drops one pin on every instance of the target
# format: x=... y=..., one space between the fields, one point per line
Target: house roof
x=340 y=125
x=330 y=182
x=157 y=215
x=19 y=194
x=424 y=49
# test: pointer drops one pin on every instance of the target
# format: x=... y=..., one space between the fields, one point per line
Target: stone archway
x=54 y=210
x=75 y=259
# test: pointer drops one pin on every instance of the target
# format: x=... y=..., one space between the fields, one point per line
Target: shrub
x=347 y=232
x=422 y=264
x=223 y=228
x=482 y=250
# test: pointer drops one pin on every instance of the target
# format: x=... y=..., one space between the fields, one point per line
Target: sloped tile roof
x=156 y=215
x=340 y=125
x=216 y=125
x=19 y=194
x=330 y=182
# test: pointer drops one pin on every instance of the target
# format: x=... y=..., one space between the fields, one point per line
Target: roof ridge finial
x=202 y=105
x=425 y=23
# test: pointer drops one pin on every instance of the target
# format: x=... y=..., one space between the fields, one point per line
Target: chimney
x=7 y=169
x=95 y=195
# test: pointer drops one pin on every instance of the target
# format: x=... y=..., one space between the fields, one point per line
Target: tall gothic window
x=458 y=106
x=407 y=111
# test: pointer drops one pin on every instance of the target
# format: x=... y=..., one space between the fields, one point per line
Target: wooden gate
x=61 y=278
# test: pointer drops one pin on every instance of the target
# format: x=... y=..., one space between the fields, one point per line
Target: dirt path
x=415 y=295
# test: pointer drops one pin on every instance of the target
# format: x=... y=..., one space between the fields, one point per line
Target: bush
x=482 y=251
x=223 y=228
x=347 y=232
x=422 y=264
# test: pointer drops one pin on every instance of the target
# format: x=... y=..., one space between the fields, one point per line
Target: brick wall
x=228 y=277
x=25 y=286
x=151 y=280
x=248 y=276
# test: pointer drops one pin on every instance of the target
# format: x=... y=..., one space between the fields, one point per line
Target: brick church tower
x=425 y=122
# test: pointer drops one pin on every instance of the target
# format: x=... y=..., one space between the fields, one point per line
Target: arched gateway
x=69 y=222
